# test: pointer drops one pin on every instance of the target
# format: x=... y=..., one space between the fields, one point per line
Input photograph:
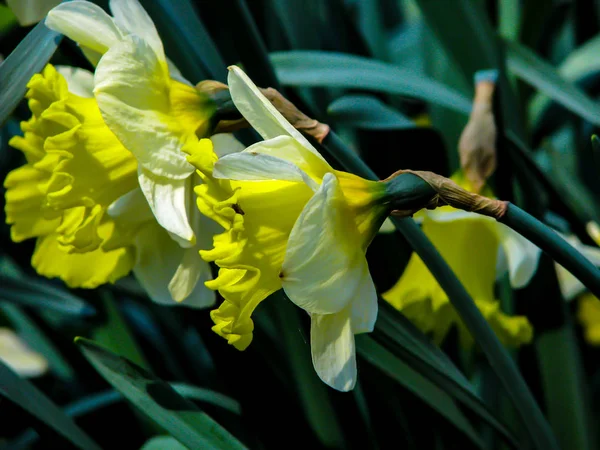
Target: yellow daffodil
x=475 y=247
x=19 y=357
x=103 y=182
x=291 y=222
x=153 y=115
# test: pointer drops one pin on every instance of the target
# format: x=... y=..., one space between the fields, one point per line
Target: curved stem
x=554 y=245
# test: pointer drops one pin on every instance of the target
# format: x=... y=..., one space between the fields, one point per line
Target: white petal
x=364 y=304
x=79 y=81
x=19 y=357
x=258 y=110
x=522 y=256
x=323 y=262
x=29 y=12
x=85 y=23
x=158 y=260
x=288 y=148
x=570 y=286
x=132 y=90
x=248 y=166
x=170 y=201
x=131 y=209
x=225 y=144
x=133 y=18
x=332 y=349
x=191 y=271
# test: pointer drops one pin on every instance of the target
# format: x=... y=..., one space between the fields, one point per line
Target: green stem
x=556 y=247
x=499 y=359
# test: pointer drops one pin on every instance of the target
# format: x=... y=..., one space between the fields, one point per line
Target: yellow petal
x=80 y=270
x=24 y=201
x=418 y=295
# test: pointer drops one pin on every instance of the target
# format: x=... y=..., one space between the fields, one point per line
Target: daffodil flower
x=477 y=248
x=108 y=186
x=153 y=115
x=291 y=222
x=79 y=196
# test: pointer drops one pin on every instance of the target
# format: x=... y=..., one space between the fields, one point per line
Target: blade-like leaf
x=94 y=402
x=312 y=392
x=186 y=40
x=367 y=112
x=531 y=68
x=159 y=401
x=28 y=291
x=38 y=341
x=163 y=443
x=400 y=336
x=435 y=397
x=30 y=57
x=331 y=69
x=28 y=397
x=114 y=332
x=579 y=64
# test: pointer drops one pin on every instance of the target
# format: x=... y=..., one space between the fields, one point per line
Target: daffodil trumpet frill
x=75 y=169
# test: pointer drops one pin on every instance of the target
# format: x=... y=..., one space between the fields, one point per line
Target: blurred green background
x=394 y=78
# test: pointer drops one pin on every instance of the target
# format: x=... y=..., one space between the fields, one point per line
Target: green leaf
x=367 y=112
x=163 y=443
x=312 y=392
x=186 y=40
x=531 y=68
x=114 y=333
x=158 y=400
x=435 y=397
x=330 y=69
x=94 y=402
x=37 y=293
x=564 y=390
x=28 y=397
x=29 y=58
x=395 y=332
x=579 y=64
x=35 y=338
x=208 y=396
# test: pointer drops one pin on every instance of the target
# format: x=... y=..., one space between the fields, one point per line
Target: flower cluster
x=124 y=174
